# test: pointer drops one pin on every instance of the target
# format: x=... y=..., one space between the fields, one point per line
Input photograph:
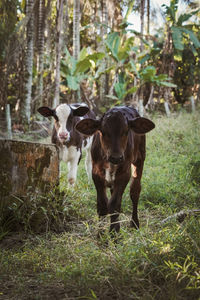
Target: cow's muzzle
x=63 y=136
x=116 y=159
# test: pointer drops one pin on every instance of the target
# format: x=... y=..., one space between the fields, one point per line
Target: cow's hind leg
x=135 y=189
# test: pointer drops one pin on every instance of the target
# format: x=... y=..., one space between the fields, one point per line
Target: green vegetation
x=100 y=57
x=68 y=261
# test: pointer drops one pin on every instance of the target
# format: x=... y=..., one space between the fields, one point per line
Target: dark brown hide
x=118 y=143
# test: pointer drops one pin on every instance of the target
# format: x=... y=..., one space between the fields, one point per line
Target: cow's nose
x=116 y=159
x=63 y=135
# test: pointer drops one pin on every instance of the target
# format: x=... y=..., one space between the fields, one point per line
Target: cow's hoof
x=134 y=224
x=114 y=228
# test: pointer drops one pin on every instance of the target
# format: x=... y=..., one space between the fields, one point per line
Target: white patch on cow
x=88 y=143
x=134 y=171
x=63 y=112
x=110 y=173
x=71 y=156
x=63 y=153
x=80 y=105
x=88 y=157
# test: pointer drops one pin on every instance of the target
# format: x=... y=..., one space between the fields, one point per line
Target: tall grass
x=160 y=261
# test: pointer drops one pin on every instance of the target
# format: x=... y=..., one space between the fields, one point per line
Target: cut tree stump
x=27 y=168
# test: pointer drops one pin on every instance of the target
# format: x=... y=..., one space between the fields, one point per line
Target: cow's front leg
x=114 y=204
x=114 y=207
x=102 y=200
x=135 y=189
x=73 y=160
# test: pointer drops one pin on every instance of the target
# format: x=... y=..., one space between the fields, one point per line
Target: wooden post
x=167 y=110
x=8 y=122
x=141 y=108
x=192 y=103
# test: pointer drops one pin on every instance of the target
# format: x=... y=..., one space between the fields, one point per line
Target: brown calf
x=118 y=143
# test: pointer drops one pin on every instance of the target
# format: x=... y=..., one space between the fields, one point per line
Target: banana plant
x=183 y=36
x=181 y=32
x=148 y=74
x=121 y=51
x=75 y=71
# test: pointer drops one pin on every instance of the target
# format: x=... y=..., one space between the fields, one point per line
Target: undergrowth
x=62 y=258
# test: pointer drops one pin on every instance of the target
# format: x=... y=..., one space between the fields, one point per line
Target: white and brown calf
x=64 y=135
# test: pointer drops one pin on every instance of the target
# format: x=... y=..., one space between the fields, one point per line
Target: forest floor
x=62 y=258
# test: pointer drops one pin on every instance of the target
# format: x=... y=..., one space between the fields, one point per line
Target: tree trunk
x=59 y=39
x=40 y=45
x=103 y=78
x=167 y=68
x=76 y=39
x=66 y=31
x=76 y=29
x=50 y=56
x=148 y=18
x=26 y=109
x=142 y=7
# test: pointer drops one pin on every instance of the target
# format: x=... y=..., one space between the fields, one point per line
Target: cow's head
x=63 y=116
x=114 y=129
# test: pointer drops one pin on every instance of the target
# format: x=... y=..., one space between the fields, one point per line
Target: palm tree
x=40 y=48
x=8 y=11
x=59 y=40
x=76 y=39
x=103 y=32
x=142 y=10
x=26 y=108
x=148 y=18
x=76 y=29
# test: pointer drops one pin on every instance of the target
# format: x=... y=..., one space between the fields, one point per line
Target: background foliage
x=116 y=64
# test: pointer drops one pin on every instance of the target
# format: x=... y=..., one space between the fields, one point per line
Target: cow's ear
x=141 y=125
x=46 y=111
x=80 y=111
x=88 y=126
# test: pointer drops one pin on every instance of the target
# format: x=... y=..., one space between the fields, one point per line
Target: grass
x=66 y=260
